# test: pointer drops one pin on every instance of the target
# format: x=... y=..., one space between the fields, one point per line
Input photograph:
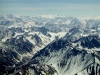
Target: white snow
x=68 y=22
x=48 y=16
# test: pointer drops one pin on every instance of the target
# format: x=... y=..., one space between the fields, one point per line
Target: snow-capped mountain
x=71 y=57
x=54 y=45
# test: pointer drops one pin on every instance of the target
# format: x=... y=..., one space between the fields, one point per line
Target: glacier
x=49 y=45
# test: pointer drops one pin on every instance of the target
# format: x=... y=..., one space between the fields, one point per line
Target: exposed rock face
x=80 y=56
x=93 y=69
x=57 y=46
x=44 y=70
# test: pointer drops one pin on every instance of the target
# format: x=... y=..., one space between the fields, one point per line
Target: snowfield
x=49 y=45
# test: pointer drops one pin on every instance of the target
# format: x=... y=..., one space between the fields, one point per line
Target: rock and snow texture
x=71 y=55
x=59 y=45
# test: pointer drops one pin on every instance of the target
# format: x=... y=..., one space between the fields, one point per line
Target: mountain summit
x=49 y=46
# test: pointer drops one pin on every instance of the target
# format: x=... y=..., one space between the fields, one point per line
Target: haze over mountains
x=54 y=45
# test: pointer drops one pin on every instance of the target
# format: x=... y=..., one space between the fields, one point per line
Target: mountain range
x=40 y=45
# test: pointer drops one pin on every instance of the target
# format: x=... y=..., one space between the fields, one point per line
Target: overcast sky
x=76 y=8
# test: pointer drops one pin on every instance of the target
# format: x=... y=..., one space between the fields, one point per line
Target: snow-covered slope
x=21 y=37
x=71 y=55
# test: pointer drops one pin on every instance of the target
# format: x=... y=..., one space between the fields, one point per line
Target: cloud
x=80 y=7
x=53 y=8
x=48 y=6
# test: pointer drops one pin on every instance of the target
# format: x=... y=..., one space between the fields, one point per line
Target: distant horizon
x=34 y=15
x=74 y=8
x=53 y=16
